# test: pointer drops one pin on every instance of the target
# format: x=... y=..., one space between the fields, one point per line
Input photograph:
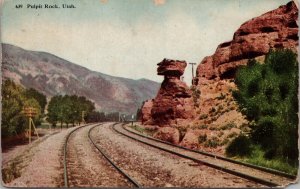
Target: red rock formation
x=146 y=112
x=173 y=97
x=254 y=39
x=174 y=104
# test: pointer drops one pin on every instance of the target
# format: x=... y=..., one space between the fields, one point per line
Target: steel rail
x=135 y=183
x=265 y=169
x=66 y=180
x=233 y=172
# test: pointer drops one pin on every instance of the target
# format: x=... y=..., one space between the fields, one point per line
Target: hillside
x=55 y=76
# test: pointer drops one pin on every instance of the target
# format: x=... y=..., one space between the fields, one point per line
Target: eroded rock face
x=172 y=98
x=254 y=39
x=146 y=112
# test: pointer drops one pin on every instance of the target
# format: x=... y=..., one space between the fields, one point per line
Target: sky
x=127 y=38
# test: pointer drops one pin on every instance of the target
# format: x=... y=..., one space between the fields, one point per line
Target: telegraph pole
x=30 y=112
x=192 y=69
x=82 y=117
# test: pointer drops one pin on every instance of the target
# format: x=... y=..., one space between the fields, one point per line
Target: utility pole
x=192 y=69
x=30 y=112
x=82 y=117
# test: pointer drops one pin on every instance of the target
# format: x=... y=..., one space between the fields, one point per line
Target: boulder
x=169 y=134
x=190 y=139
x=169 y=67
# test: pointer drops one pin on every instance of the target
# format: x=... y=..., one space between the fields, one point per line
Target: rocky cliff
x=217 y=119
x=254 y=39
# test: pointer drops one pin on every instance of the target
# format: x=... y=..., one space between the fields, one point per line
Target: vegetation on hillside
x=14 y=99
x=268 y=95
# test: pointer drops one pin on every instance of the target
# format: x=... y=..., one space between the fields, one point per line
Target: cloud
x=159 y=2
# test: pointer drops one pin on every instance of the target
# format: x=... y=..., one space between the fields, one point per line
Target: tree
x=54 y=110
x=13 y=101
x=41 y=98
x=68 y=109
x=267 y=95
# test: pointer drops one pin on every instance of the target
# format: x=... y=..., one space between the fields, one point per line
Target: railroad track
x=101 y=151
x=131 y=180
x=261 y=175
x=66 y=180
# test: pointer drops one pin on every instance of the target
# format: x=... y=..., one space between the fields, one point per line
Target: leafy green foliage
x=68 y=109
x=14 y=99
x=267 y=95
x=39 y=97
x=240 y=146
x=257 y=157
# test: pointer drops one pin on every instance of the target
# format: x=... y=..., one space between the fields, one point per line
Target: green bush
x=240 y=146
x=267 y=95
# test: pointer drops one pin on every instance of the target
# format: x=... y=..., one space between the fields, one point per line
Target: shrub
x=224 y=142
x=203 y=116
x=228 y=126
x=212 y=110
x=212 y=143
x=231 y=135
x=202 y=138
x=202 y=127
x=221 y=97
x=221 y=133
x=240 y=146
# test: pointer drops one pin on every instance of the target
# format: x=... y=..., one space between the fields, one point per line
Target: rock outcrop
x=213 y=116
x=253 y=40
x=146 y=111
x=173 y=98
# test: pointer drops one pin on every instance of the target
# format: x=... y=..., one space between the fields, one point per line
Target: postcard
x=149 y=93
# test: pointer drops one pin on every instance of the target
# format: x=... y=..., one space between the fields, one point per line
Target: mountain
x=52 y=75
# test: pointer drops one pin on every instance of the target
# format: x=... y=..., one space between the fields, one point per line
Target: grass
x=212 y=143
x=10 y=173
x=137 y=128
x=46 y=125
x=228 y=126
x=257 y=158
x=142 y=130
